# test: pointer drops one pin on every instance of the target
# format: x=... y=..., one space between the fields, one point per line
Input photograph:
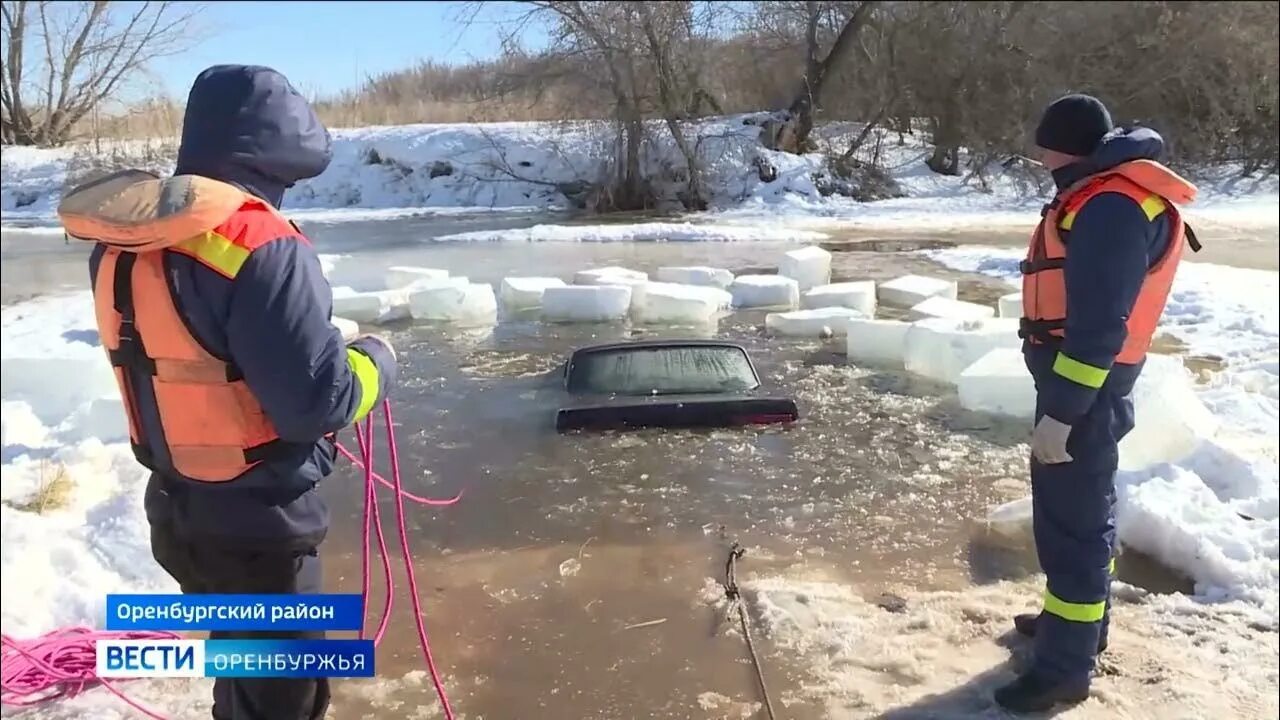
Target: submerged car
x=667 y=383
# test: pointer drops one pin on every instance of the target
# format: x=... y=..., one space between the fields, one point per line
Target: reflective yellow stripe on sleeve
x=1068 y=219
x=1080 y=373
x=1111 y=567
x=1074 y=612
x=366 y=373
x=215 y=251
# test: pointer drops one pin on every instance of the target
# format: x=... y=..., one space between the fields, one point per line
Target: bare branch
x=90 y=50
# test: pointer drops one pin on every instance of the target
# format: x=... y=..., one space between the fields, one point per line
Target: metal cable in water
x=731 y=591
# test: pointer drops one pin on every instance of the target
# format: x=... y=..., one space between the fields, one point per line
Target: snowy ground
x=394 y=171
x=940 y=655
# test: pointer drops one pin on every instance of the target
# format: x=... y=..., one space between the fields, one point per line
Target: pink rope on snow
x=61 y=664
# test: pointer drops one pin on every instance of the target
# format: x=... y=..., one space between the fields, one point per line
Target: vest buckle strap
x=130 y=355
x=1192 y=241
x=269 y=451
x=1031 y=267
x=1042 y=330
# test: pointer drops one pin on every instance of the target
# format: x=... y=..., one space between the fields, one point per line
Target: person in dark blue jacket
x=1089 y=314
x=260 y=532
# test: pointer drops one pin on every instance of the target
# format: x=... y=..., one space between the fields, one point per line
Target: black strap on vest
x=131 y=357
x=1031 y=267
x=1040 y=329
x=1192 y=240
x=130 y=354
x=270 y=451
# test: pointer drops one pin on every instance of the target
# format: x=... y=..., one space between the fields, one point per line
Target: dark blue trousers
x=1073 y=513
x=214 y=565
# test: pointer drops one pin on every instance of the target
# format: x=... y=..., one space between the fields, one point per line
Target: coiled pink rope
x=62 y=663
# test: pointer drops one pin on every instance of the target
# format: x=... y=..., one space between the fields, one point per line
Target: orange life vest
x=214 y=428
x=1155 y=189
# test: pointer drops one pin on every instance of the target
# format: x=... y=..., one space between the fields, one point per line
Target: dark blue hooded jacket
x=1113 y=245
x=247 y=126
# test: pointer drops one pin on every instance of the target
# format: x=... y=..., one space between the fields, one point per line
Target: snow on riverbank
x=1215 y=515
x=393 y=171
x=64 y=449
x=941 y=654
x=638 y=232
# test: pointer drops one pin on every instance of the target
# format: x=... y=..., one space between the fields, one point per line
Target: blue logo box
x=234 y=612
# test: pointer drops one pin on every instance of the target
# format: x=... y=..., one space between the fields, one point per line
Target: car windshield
x=662 y=371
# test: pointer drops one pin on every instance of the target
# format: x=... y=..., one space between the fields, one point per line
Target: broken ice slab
x=860 y=296
x=525 y=293
x=1010 y=305
x=674 y=303
x=586 y=303
x=399 y=276
x=462 y=303
x=941 y=348
x=377 y=306
x=998 y=383
x=1170 y=420
x=875 y=342
x=941 y=307
x=590 y=277
x=910 y=290
x=808 y=266
x=695 y=275
x=817 y=323
x=765 y=291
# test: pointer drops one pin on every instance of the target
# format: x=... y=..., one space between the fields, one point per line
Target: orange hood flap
x=137 y=211
x=1158 y=179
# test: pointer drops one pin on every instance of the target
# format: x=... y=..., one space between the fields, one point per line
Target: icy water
x=561 y=543
x=575 y=577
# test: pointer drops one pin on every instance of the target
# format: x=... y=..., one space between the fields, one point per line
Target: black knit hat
x=1073 y=124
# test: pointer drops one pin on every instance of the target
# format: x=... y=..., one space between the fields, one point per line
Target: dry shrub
x=102 y=157
x=53 y=492
x=972 y=74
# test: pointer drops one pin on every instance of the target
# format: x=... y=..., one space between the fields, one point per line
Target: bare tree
x=848 y=20
x=63 y=60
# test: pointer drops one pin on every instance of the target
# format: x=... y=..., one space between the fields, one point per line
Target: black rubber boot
x=1026 y=623
x=1031 y=693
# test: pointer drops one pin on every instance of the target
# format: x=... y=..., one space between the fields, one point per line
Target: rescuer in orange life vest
x=216 y=317
x=1095 y=280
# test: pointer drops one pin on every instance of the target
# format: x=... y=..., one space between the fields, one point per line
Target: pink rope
x=373 y=521
x=62 y=663
x=433 y=502
x=408 y=565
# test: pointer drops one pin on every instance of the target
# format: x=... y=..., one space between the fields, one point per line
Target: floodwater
x=560 y=543
x=571 y=580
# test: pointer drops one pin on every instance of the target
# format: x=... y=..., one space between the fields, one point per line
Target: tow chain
x=731 y=592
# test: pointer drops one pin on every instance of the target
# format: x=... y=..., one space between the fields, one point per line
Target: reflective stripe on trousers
x=1074 y=522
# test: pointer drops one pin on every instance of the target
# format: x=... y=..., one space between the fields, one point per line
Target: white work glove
x=1049 y=442
x=381 y=341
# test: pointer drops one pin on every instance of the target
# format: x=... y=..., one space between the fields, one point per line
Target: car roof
x=643 y=344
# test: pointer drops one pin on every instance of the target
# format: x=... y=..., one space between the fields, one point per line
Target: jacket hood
x=1138 y=150
x=1117 y=147
x=246 y=125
